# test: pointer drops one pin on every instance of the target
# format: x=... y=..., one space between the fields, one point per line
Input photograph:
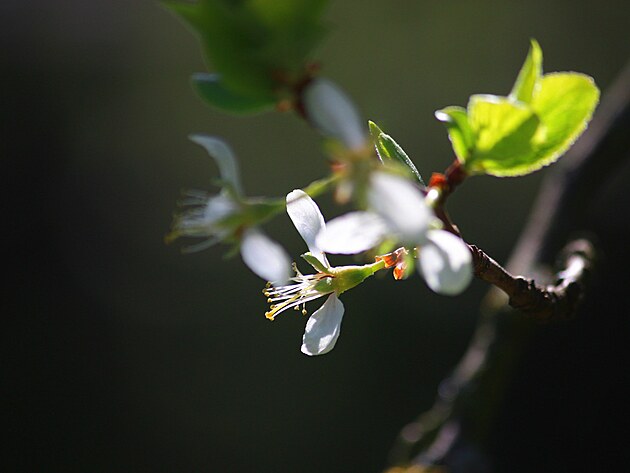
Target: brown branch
x=542 y=303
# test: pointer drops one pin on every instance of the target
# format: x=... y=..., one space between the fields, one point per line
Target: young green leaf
x=459 y=132
x=504 y=130
x=210 y=88
x=529 y=129
x=530 y=74
x=564 y=103
x=259 y=47
x=278 y=13
x=189 y=12
x=388 y=149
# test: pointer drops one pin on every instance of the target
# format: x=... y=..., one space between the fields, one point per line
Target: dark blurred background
x=120 y=354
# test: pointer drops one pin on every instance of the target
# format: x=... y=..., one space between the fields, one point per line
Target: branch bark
x=549 y=303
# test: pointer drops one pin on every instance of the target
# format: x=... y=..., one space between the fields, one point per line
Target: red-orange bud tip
x=399 y=271
x=438 y=180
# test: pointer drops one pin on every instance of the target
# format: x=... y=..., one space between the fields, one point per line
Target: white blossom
x=399 y=212
x=324 y=325
x=215 y=218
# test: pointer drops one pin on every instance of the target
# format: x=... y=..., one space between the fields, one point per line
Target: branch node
x=543 y=304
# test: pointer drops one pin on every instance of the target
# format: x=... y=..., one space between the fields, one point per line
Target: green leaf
x=532 y=128
x=388 y=149
x=295 y=29
x=504 y=130
x=278 y=12
x=459 y=132
x=189 y=12
x=210 y=88
x=514 y=139
x=530 y=74
x=231 y=43
x=565 y=103
x=257 y=46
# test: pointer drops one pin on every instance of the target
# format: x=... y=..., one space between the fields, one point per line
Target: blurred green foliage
x=258 y=48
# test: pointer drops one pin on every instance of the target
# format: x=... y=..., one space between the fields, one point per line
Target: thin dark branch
x=542 y=303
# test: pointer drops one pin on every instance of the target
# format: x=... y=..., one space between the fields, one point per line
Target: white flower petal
x=323 y=327
x=218 y=207
x=352 y=233
x=265 y=257
x=224 y=157
x=401 y=205
x=331 y=111
x=445 y=263
x=202 y=221
x=308 y=221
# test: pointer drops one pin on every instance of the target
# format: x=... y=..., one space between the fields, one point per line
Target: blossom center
x=306 y=288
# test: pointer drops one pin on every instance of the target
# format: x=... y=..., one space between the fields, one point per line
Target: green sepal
x=324 y=286
x=347 y=277
x=314 y=262
x=212 y=91
x=388 y=150
x=459 y=132
x=529 y=75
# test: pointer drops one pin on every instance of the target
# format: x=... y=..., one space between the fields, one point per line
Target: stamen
x=292 y=296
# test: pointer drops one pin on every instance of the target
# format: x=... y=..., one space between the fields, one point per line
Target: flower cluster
x=396 y=215
x=398 y=212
